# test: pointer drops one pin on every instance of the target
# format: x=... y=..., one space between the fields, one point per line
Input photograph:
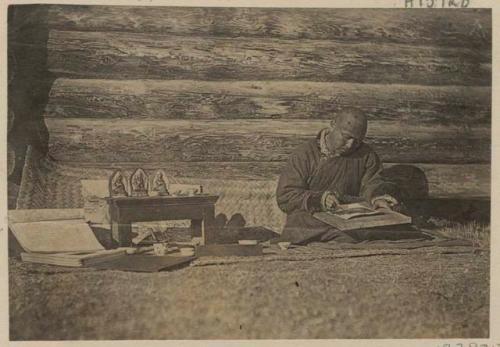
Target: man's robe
x=309 y=173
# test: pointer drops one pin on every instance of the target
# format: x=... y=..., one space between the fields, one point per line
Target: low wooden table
x=124 y=211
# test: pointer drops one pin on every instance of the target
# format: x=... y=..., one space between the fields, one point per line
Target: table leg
x=209 y=228
x=122 y=233
x=196 y=227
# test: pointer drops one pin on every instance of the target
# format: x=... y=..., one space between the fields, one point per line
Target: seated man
x=336 y=167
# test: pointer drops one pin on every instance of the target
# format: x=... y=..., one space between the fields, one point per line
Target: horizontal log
x=458 y=181
x=113 y=55
x=251 y=140
x=444 y=27
x=174 y=99
x=445 y=181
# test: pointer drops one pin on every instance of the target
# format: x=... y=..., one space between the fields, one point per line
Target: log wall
x=117 y=55
x=240 y=88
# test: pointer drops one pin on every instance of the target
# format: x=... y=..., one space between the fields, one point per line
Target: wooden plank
x=452 y=27
x=251 y=140
x=255 y=170
x=444 y=180
x=114 y=55
x=187 y=99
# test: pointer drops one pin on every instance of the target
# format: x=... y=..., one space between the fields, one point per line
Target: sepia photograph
x=248 y=173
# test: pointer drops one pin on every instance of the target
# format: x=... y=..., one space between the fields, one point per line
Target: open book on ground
x=56 y=236
x=360 y=216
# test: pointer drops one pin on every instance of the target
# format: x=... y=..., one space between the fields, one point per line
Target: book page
x=354 y=210
x=56 y=236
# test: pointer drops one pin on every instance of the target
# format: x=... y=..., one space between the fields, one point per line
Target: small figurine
x=117 y=184
x=160 y=184
x=139 y=183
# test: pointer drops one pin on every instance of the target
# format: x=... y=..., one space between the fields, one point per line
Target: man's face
x=342 y=142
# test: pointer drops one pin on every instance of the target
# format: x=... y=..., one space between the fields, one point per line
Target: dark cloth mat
x=387 y=244
x=388 y=233
x=145 y=263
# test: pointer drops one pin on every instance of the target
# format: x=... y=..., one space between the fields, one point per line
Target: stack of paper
x=73 y=259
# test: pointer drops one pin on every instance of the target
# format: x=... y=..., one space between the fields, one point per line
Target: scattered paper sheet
x=95 y=206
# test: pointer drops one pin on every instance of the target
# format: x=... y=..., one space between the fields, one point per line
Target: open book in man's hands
x=360 y=216
x=355 y=210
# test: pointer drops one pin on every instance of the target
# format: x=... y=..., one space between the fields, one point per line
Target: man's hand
x=384 y=201
x=329 y=201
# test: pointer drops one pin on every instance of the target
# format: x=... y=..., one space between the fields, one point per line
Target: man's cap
x=352 y=121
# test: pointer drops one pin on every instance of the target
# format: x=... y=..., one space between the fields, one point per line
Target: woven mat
x=312 y=252
x=49 y=184
x=316 y=251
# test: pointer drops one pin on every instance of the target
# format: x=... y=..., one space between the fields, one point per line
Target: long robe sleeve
x=293 y=192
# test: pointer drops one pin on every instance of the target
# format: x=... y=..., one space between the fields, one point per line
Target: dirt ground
x=416 y=295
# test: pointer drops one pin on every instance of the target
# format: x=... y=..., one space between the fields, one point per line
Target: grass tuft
x=478 y=233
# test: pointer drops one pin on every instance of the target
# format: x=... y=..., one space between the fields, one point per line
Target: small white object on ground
x=129 y=250
x=247 y=242
x=187 y=251
x=159 y=249
x=284 y=245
